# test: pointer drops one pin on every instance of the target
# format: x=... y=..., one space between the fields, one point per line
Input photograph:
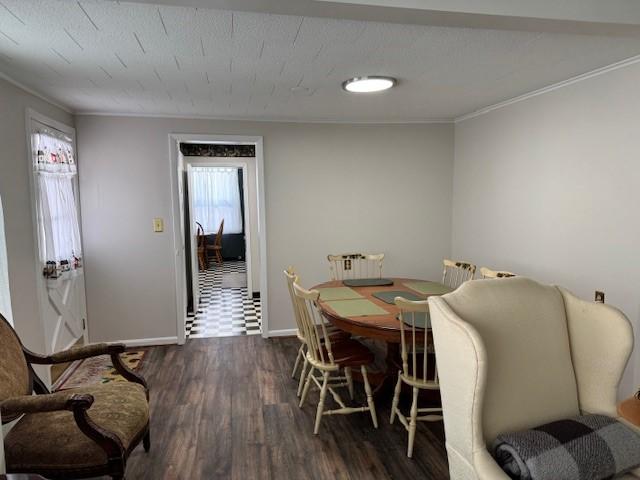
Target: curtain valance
x=54 y=153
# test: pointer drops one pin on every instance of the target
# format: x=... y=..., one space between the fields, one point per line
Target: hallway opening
x=221 y=238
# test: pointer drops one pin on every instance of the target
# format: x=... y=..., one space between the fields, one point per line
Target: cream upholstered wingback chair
x=516 y=354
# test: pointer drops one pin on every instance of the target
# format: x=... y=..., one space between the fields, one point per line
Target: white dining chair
x=455 y=273
x=328 y=359
x=355 y=265
x=332 y=331
x=419 y=369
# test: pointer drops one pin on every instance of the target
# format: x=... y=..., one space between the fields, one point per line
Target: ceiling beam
x=589 y=17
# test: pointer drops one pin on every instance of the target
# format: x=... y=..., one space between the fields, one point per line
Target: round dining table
x=383 y=328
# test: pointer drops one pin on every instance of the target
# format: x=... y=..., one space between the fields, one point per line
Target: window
x=58 y=223
x=215 y=196
x=5 y=297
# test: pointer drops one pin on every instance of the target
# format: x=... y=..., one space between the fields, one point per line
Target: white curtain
x=215 y=196
x=57 y=207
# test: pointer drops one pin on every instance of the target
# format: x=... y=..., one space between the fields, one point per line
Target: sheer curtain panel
x=58 y=224
x=216 y=196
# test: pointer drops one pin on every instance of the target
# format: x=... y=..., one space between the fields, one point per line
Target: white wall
x=16 y=197
x=550 y=188
x=329 y=188
x=251 y=210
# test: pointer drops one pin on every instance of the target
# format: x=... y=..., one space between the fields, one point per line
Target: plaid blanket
x=590 y=447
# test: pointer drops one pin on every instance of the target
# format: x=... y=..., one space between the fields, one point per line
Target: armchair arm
x=75 y=353
x=15 y=406
x=78 y=353
x=78 y=403
x=461 y=361
x=601 y=341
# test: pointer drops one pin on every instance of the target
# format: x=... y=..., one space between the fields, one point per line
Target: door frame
x=178 y=237
x=193 y=241
x=32 y=116
x=224 y=163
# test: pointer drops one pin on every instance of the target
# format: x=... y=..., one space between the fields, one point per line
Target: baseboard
x=148 y=342
x=288 y=332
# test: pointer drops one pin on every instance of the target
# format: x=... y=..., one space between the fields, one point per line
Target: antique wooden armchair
x=78 y=433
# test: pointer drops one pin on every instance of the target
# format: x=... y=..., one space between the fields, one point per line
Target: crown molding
x=265 y=119
x=550 y=88
x=35 y=93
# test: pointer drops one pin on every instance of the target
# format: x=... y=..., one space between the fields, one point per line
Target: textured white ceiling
x=106 y=56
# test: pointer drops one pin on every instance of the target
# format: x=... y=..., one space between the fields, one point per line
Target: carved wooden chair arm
x=75 y=353
x=78 y=353
x=52 y=402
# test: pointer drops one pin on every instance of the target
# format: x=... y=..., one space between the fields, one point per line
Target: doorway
x=57 y=225
x=221 y=231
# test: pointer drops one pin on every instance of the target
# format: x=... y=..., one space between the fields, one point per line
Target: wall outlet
x=599 y=296
x=158 y=225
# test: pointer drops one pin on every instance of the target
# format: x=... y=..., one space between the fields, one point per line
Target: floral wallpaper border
x=217 y=150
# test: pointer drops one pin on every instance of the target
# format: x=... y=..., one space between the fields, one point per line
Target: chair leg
x=412 y=422
x=305 y=391
x=396 y=398
x=323 y=394
x=297 y=362
x=146 y=441
x=370 y=402
x=347 y=373
x=303 y=376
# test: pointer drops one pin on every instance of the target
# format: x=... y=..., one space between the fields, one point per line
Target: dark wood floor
x=227 y=408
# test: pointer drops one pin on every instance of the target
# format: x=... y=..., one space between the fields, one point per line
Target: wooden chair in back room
x=216 y=248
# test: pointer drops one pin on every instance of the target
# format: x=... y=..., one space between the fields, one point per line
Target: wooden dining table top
x=379 y=327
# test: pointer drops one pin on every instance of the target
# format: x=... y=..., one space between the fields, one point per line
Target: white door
x=62 y=294
x=193 y=230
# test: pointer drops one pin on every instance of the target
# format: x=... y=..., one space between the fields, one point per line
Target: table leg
x=383 y=380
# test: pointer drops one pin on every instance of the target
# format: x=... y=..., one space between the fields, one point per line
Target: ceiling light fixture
x=369 y=84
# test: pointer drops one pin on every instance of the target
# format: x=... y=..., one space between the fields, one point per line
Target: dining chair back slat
x=455 y=273
x=355 y=265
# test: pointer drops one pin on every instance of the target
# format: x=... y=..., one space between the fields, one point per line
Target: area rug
x=234 y=280
x=97 y=370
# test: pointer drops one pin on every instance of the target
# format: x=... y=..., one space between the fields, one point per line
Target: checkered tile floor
x=224 y=312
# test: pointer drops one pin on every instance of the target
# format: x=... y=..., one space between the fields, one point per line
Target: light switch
x=158 y=225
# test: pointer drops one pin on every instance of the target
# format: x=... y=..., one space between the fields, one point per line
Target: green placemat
x=356 y=308
x=367 y=282
x=389 y=297
x=338 y=293
x=429 y=288
x=421 y=319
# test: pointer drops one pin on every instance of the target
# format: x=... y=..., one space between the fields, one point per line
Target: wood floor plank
x=226 y=408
